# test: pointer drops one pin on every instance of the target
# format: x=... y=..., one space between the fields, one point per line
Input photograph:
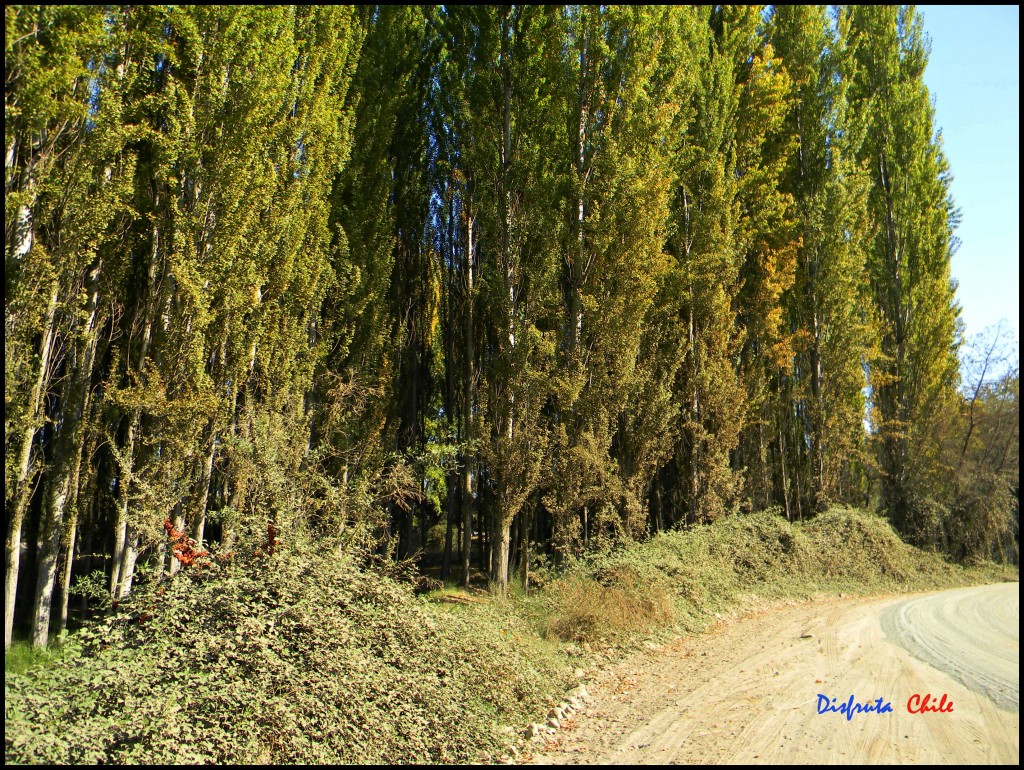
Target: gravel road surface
x=747 y=692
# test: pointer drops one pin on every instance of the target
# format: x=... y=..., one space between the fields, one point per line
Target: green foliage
x=914 y=378
x=23 y=657
x=823 y=437
x=551 y=278
x=629 y=77
x=293 y=658
x=975 y=490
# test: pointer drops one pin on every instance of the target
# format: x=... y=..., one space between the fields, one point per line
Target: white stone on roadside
x=553 y=722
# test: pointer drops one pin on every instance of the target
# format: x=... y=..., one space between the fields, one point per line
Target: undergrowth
x=679 y=581
x=297 y=658
x=22 y=657
x=307 y=658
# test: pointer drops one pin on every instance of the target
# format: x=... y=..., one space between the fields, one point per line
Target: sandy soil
x=747 y=691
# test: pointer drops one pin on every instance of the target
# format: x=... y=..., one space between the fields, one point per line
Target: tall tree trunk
x=86 y=539
x=22 y=492
x=78 y=499
x=467 y=409
x=820 y=493
x=499 y=558
x=577 y=269
x=121 y=537
x=127 y=571
x=693 y=477
x=21 y=235
x=503 y=517
x=178 y=524
x=70 y=542
x=524 y=548
x=46 y=569
x=73 y=538
x=205 y=477
x=62 y=479
x=446 y=563
x=451 y=502
x=782 y=470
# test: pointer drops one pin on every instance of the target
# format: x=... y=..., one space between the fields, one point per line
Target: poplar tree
x=621 y=98
x=821 y=410
x=708 y=244
x=184 y=209
x=914 y=379
x=64 y=192
x=518 y=265
x=767 y=241
x=553 y=276
x=647 y=428
x=458 y=100
x=496 y=127
x=378 y=314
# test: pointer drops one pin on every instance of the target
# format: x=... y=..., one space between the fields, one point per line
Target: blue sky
x=973 y=79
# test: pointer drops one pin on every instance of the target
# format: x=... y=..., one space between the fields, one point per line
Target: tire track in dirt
x=747 y=691
x=972 y=638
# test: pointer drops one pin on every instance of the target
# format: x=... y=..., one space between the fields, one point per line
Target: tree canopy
x=475 y=284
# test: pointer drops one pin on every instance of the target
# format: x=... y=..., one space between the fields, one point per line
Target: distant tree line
x=498 y=280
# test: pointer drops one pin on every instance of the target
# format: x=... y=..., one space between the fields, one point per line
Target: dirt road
x=748 y=690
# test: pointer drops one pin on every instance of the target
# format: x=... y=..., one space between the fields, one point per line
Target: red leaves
x=272 y=542
x=271 y=539
x=183 y=548
x=172 y=533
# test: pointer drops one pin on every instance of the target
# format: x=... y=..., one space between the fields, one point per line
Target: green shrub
x=294 y=659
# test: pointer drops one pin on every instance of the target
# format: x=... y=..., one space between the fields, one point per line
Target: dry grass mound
x=684 y=578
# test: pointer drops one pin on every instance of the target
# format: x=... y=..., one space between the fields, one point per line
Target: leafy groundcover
x=296 y=658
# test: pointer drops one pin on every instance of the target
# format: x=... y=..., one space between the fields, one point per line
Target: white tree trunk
x=23 y=487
